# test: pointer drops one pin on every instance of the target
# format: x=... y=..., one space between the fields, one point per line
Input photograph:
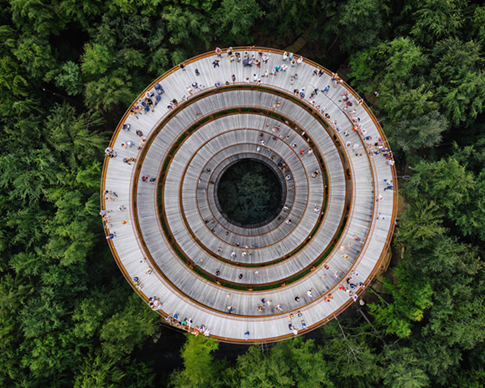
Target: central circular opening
x=249 y=193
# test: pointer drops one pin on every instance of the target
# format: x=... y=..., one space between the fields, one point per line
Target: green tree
x=73 y=136
x=435 y=20
x=99 y=371
x=458 y=72
x=352 y=359
x=35 y=55
x=127 y=329
x=109 y=91
x=40 y=17
x=11 y=82
x=188 y=29
x=478 y=23
x=392 y=65
x=97 y=59
x=200 y=368
x=455 y=190
x=236 y=18
x=403 y=369
x=402 y=103
x=283 y=13
x=249 y=193
x=422 y=132
x=290 y=363
x=360 y=22
x=70 y=78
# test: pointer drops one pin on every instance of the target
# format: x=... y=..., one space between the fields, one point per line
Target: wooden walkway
x=185 y=155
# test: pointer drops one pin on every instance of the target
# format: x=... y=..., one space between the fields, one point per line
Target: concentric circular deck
x=323 y=246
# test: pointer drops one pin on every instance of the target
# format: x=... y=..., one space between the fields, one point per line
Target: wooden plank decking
x=141 y=243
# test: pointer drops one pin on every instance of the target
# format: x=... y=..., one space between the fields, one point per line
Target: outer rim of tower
x=267 y=339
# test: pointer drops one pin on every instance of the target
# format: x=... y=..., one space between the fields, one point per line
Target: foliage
x=55 y=305
x=67 y=316
x=458 y=71
x=249 y=193
x=188 y=28
x=127 y=329
x=437 y=20
x=237 y=17
x=351 y=356
x=280 y=14
x=70 y=78
x=289 y=364
x=422 y=132
x=35 y=55
x=360 y=23
x=403 y=371
x=200 y=368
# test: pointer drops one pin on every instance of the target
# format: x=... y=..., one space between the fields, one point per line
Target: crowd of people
x=148 y=103
x=186 y=324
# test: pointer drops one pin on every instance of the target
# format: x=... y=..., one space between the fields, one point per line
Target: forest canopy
x=69 y=70
x=249 y=193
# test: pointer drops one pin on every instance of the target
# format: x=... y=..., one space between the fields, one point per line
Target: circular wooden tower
x=262 y=281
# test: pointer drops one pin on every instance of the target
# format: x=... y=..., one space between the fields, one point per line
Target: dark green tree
x=70 y=78
x=458 y=74
x=236 y=19
x=436 y=20
x=402 y=370
x=290 y=363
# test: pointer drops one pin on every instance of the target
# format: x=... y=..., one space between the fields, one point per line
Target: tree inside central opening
x=249 y=193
